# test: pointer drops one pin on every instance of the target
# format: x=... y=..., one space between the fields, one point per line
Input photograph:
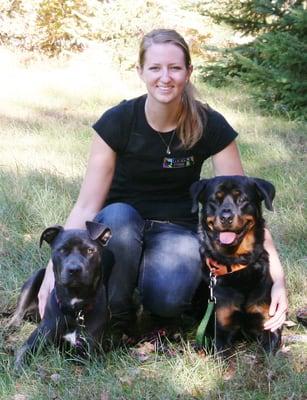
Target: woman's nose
x=165 y=76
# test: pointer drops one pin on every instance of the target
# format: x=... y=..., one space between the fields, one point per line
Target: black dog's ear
x=50 y=234
x=98 y=231
x=266 y=191
x=195 y=191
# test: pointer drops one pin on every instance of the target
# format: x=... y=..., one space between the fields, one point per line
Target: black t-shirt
x=146 y=177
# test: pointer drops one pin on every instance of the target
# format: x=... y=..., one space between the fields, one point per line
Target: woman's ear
x=190 y=70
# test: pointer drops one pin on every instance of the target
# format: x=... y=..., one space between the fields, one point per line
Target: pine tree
x=275 y=62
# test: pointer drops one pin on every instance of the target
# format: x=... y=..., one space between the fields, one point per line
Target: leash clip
x=80 y=319
x=211 y=286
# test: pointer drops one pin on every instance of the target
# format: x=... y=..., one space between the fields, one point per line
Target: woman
x=145 y=155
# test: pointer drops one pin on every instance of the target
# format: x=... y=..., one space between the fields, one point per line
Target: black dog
x=77 y=309
x=231 y=231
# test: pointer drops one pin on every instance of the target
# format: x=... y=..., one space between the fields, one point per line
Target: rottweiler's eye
x=62 y=251
x=236 y=193
x=90 y=250
x=219 y=194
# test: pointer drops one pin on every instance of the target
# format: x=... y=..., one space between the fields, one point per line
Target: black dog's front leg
x=28 y=301
x=42 y=335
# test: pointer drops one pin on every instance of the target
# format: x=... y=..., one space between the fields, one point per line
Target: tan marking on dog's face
x=247 y=244
x=262 y=309
x=210 y=222
x=224 y=314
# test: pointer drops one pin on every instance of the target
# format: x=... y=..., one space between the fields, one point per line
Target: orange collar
x=220 y=269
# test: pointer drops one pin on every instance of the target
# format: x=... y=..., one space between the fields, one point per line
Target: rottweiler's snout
x=226 y=216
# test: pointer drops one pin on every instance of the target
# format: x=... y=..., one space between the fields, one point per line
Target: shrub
x=274 y=64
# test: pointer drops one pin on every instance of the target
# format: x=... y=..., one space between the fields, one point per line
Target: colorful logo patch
x=178 y=162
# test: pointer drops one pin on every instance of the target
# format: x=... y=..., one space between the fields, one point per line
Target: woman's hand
x=278 y=308
x=45 y=289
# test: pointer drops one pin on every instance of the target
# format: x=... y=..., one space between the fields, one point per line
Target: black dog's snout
x=74 y=269
x=226 y=216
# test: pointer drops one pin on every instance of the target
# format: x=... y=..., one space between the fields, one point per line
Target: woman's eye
x=154 y=68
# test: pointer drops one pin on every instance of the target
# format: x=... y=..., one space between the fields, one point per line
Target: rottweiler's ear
x=50 y=234
x=195 y=191
x=98 y=232
x=266 y=191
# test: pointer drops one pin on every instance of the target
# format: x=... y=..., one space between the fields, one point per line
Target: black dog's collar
x=70 y=310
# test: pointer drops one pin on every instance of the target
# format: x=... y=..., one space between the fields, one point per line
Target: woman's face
x=164 y=73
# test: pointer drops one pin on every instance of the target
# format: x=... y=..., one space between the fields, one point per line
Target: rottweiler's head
x=231 y=209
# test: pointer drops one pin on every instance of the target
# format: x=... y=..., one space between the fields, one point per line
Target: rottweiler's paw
x=271 y=341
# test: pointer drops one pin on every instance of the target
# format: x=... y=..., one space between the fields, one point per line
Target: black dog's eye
x=62 y=250
x=90 y=250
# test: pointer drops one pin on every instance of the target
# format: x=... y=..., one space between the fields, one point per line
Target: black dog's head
x=76 y=253
x=231 y=210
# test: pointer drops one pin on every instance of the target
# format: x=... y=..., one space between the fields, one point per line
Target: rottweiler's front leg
x=227 y=327
x=257 y=315
x=270 y=341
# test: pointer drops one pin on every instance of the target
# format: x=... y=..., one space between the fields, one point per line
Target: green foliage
x=275 y=62
x=254 y=16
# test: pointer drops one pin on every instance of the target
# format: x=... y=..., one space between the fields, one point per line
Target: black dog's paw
x=21 y=359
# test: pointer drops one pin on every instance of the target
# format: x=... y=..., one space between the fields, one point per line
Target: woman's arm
x=93 y=192
x=279 y=303
x=227 y=162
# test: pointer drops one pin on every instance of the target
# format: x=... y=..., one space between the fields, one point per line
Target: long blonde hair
x=192 y=118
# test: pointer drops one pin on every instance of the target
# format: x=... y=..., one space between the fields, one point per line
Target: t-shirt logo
x=178 y=162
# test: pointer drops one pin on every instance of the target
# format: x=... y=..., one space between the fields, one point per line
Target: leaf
x=290 y=324
x=143 y=351
x=125 y=380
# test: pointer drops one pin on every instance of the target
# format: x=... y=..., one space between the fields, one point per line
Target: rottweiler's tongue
x=227 y=237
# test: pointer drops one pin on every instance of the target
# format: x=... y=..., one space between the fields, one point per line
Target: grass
x=46 y=113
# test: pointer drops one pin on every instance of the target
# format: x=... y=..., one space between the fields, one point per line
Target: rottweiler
x=77 y=308
x=231 y=233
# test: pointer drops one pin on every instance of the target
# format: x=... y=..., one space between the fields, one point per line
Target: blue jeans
x=160 y=258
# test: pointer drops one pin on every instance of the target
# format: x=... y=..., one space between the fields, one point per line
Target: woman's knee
x=170 y=272
x=169 y=294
